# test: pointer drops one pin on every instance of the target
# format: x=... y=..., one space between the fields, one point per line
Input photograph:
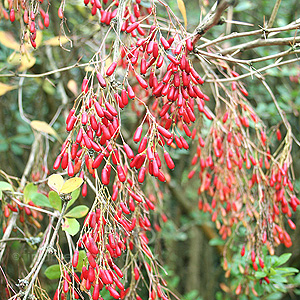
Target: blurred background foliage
x=187 y=243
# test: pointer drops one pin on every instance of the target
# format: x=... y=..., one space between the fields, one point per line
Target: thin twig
x=260 y=43
x=46 y=250
x=211 y=21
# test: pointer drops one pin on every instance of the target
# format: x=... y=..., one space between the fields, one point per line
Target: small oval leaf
x=29 y=189
x=55 y=200
x=53 y=272
x=78 y=212
x=71 y=226
x=71 y=185
x=40 y=199
x=56 y=182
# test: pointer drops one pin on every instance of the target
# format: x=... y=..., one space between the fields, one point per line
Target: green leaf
x=81 y=259
x=53 y=272
x=216 y=242
x=259 y=288
x=55 y=200
x=71 y=226
x=282 y=259
x=5 y=186
x=78 y=212
x=16 y=149
x=40 y=199
x=288 y=270
x=278 y=278
x=3 y=146
x=260 y=274
x=275 y=296
x=30 y=188
x=75 y=196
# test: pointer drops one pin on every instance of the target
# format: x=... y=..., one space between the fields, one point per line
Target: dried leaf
x=8 y=40
x=4 y=88
x=72 y=86
x=44 y=127
x=26 y=60
x=56 y=41
x=182 y=9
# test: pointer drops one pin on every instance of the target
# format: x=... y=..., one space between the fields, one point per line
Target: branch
x=233 y=35
x=211 y=20
x=260 y=43
x=255 y=72
x=47 y=250
x=274 y=13
x=13 y=219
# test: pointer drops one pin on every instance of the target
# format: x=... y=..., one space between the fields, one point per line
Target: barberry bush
x=136 y=138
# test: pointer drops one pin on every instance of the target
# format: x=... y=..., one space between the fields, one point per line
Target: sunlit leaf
x=71 y=185
x=55 y=200
x=70 y=225
x=9 y=41
x=56 y=182
x=4 y=88
x=53 y=272
x=78 y=212
x=182 y=9
x=56 y=41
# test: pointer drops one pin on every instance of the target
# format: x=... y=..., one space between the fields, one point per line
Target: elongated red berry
x=163 y=131
x=128 y=151
x=138 y=134
x=60 y=13
x=169 y=160
x=164 y=42
x=143 y=83
x=111 y=69
x=101 y=80
x=12 y=16
x=46 y=20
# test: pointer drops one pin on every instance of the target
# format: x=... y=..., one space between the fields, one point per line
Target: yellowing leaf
x=89 y=69
x=73 y=87
x=26 y=61
x=182 y=9
x=8 y=40
x=56 y=41
x=56 y=182
x=43 y=127
x=4 y=88
x=108 y=62
x=71 y=185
